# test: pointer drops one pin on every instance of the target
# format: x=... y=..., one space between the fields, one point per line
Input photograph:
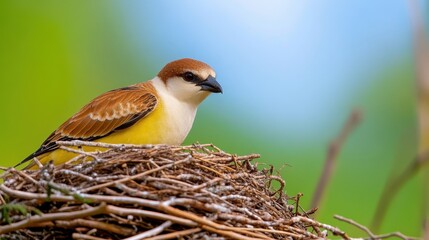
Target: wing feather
x=114 y=110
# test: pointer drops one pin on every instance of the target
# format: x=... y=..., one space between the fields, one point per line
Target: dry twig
x=152 y=232
x=395 y=183
x=333 y=151
x=370 y=234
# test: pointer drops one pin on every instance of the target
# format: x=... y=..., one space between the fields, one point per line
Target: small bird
x=158 y=111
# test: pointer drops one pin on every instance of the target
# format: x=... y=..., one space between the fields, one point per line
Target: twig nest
x=151 y=192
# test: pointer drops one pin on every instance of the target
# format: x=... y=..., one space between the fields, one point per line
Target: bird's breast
x=179 y=118
x=169 y=123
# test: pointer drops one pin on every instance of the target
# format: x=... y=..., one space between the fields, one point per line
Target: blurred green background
x=292 y=72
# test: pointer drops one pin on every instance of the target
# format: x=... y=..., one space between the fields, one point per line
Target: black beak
x=211 y=85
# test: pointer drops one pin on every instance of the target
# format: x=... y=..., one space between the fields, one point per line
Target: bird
x=159 y=111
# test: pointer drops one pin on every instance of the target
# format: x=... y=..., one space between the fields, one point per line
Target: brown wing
x=111 y=111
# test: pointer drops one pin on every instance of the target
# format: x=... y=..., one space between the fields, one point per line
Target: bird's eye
x=188 y=76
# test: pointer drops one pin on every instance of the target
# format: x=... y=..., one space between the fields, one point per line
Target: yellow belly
x=156 y=128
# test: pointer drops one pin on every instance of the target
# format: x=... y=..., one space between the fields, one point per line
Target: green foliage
x=55 y=57
x=9 y=209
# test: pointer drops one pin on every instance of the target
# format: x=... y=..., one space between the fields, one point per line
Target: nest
x=152 y=192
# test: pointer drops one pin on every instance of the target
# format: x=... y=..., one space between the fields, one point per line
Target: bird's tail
x=29 y=158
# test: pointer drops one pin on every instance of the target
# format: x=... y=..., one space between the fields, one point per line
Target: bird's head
x=189 y=80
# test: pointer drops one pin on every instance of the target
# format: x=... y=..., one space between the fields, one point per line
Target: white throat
x=180 y=114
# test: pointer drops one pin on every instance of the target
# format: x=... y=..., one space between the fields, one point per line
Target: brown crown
x=178 y=67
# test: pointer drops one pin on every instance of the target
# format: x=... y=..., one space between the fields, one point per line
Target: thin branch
x=392 y=187
x=230 y=234
x=152 y=232
x=26 y=176
x=80 y=152
x=35 y=161
x=112 y=183
x=210 y=224
x=5 y=173
x=333 y=151
x=4 y=168
x=81 y=236
x=296 y=230
x=79 y=143
x=370 y=234
x=175 y=235
x=74 y=173
x=204 y=185
x=150 y=214
x=395 y=234
x=89 y=224
x=90 y=197
x=298 y=197
x=31 y=221
x=330 y=228
x=352 y=222
x=426 y=229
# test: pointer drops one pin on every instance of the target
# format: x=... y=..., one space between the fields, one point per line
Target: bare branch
x=152 y=232
x=426 y=229
x=370 y=234
x=333 y=151
x=29 y=222
x=150 y=214
x=361 y=227
x=136 y=176
x=175 y=235
x=72 y=224
x=79 y=143
x=230 y=234
x=392 y=187
x=334 y=230
x=81 y=236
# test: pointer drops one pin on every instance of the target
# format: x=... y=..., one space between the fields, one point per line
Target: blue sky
x=292 y=64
